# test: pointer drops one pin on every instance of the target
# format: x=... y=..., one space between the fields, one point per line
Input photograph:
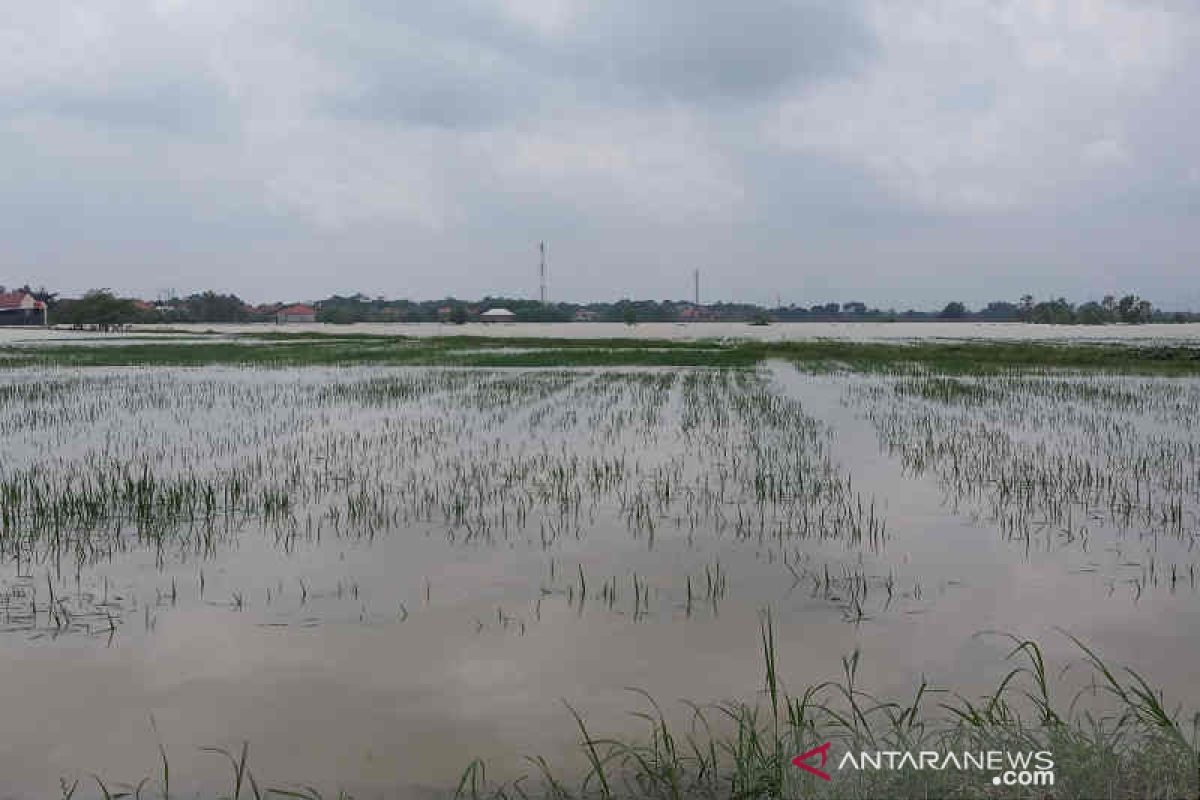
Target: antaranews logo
x=1009 y=768
x=823 y=751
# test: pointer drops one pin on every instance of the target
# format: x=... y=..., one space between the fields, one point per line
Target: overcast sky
x=899 y=153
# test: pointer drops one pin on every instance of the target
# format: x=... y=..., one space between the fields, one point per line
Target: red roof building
x=695 y=314
x=296 y=313
x=21 y=308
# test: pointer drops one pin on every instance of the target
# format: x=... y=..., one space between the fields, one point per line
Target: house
x=692 y=313
x=297 y=313
x=497 y=315
x=586 y=315
x=21 y=308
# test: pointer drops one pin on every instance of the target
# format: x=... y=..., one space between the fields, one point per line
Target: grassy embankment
x=314 y=349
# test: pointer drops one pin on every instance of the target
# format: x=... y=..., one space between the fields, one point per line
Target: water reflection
x=376 y=575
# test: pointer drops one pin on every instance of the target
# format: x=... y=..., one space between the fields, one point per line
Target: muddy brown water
x=382 y=661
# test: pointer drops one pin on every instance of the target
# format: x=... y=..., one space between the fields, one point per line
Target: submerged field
x=268 y=346
x=400 y=568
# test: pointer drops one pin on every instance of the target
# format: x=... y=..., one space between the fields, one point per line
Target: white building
x=497 y=315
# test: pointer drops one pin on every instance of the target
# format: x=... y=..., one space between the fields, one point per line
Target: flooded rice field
x=1185 y=334
x=376 y=575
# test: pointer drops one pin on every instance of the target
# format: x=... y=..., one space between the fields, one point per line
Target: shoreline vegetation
x=102 y=307
x=279 y=349
x=1117 y=737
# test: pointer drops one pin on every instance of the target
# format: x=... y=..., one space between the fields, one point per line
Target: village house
x=296 y=313
x=692 y=313
x=21 y=308
x=497 y=315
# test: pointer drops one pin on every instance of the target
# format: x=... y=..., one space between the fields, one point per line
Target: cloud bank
x=899 y=154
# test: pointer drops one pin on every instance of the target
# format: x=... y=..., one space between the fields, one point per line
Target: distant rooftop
x=297 y=311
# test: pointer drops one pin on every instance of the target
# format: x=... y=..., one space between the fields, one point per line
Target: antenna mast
x=542 y=271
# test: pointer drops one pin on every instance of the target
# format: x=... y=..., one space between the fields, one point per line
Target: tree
x=954 y=310
x=1027 y=307
x=336 y=315
x=1134 y=310
x=458 y=314
x=1145 y=311
x=98 y=307
x=49 y=298
x=629 y=314
x=999 y=309
x=1053 y=312
x=212 y=307
x=340 y=310
x=1092 y=314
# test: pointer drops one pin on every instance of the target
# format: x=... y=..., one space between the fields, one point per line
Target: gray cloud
x=893 y=153
x=175 y=107
x=689 y=51
x=451 y=84
x=456 y=65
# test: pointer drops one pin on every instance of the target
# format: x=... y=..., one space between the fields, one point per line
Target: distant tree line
x=103 y=309
x=1130 y=309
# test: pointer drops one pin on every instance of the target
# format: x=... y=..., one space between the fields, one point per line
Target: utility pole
x=542 y=271
x=696 y=286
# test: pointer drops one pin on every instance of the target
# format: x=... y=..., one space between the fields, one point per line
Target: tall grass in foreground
x=1115 y=738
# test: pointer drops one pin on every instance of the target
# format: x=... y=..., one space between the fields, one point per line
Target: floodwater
x=374 y=576
x=1179 y=334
